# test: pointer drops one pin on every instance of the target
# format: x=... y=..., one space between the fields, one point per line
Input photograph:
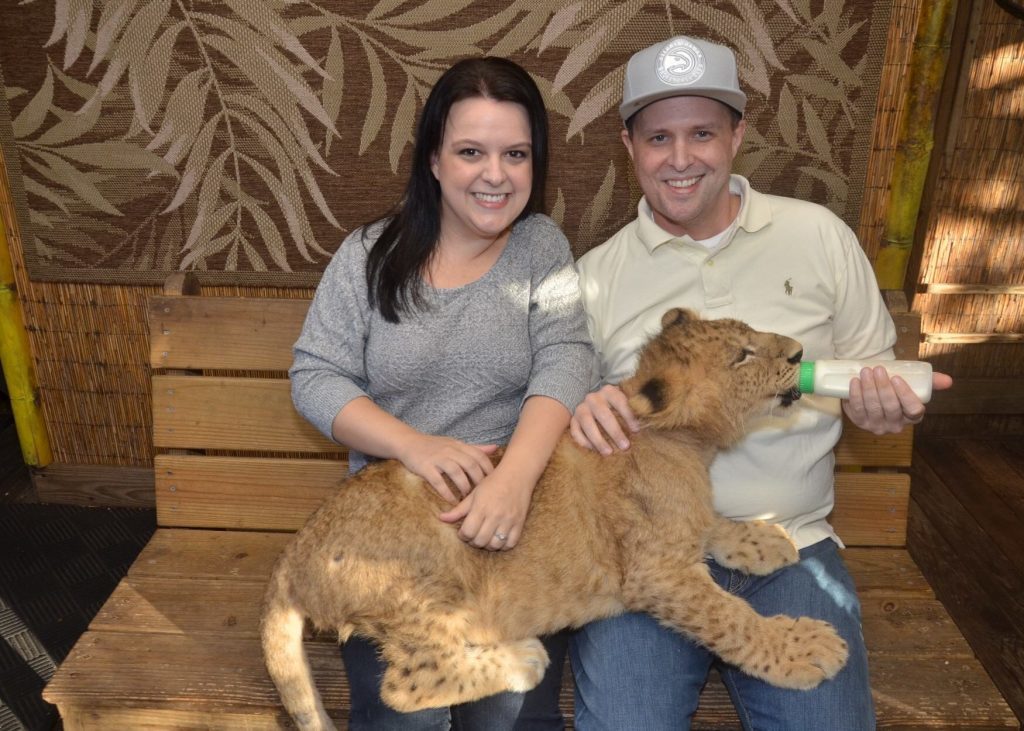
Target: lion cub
x=605 y=535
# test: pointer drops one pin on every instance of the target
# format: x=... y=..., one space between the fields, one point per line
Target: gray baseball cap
x=681 y=66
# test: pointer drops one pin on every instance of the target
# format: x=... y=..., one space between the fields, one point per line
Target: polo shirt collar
x=755 y=213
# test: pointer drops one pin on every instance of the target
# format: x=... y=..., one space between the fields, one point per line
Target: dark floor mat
x=58 y=564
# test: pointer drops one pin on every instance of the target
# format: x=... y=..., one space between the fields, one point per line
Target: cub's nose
x=794 y=359
x=788 y=397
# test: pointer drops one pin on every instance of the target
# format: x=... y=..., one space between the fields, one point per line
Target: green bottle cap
x=806 y=384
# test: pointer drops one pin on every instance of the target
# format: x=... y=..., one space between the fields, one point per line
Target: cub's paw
x=757 y=548
x=527 y=662
x=808 y=652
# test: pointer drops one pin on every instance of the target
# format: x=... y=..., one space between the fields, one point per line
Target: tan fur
x=604 y=535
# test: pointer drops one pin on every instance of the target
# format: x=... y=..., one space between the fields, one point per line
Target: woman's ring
x=500 y=536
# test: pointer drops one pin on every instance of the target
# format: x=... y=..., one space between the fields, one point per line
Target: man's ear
x=737 y=137
x=627 y=140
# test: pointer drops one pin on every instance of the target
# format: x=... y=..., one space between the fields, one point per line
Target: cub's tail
x=281 y=634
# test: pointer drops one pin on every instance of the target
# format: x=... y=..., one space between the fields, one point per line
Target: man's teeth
x=490 y=197
x=688 y=183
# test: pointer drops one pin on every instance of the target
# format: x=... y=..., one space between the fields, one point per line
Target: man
x=703 y=239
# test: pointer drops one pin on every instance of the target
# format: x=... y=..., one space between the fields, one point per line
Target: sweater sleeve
x=562 y=354
x=328 y=368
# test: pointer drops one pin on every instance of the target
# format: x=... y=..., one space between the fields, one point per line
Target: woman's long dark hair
x=403 y=250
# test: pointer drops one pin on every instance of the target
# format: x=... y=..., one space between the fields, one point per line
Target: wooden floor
x=966 y=532
x=15 y=483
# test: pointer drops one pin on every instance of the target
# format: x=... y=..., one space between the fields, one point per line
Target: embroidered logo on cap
x=680 y=63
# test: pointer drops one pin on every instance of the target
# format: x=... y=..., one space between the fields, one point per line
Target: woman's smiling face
x=484 y=166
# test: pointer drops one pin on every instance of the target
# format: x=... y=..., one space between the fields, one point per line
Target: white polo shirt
x=786 y=266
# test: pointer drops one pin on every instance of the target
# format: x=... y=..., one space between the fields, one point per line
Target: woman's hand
x=598 y=411
x=883 y=405
x=435 y=458
x=494 y=513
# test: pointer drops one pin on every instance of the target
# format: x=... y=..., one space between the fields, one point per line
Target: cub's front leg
x=753 y=547
x=785 y=651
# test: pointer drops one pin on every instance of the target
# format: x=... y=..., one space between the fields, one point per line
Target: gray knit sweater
x=463 y=366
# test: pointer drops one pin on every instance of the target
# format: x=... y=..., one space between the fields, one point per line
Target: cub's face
x=712 y=374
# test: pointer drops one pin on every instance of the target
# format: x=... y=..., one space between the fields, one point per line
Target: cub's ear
x=648 y=397
x=678 y=316
x=672 y=399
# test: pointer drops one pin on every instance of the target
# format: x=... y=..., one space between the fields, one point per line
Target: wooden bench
x=176 y=645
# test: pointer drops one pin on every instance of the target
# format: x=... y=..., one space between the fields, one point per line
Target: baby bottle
x=832 y=377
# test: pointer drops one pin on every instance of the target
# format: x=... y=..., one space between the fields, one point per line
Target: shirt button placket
x=716 y=288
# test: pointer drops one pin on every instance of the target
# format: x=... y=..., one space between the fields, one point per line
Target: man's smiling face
x=682 y=149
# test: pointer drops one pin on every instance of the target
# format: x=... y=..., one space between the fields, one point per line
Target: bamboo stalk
x=916 y=140
x=17 y=362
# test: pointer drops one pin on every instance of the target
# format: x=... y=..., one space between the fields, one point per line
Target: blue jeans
x=633 y=673
x=534 y=711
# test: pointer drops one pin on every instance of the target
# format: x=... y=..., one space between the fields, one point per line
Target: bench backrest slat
x=862 y=448
x=224 y=333
x=871 y=508
x=256 y=414
x=248 y=493
x=244 y=493
x=217 y=412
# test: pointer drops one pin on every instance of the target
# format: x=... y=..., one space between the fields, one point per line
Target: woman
x=449 y=328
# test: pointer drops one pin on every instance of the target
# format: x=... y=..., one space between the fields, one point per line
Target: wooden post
x=916 y=140
x=17 y=362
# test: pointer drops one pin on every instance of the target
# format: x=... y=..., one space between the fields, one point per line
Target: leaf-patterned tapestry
x=244 y=138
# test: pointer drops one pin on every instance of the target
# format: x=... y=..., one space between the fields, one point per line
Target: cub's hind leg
x=430 y=666
x=753 y=547
x=784 y=651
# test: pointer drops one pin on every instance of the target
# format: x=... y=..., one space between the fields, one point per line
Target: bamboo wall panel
x=974 y=227
x=89 y=344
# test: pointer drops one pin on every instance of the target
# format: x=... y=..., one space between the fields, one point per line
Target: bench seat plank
x=895 y=622
x=910 y=694
x=209 y=554
x=918 y=681
x=171 y=677
x=227 y=608
x=175 y=675
x=212 y=554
